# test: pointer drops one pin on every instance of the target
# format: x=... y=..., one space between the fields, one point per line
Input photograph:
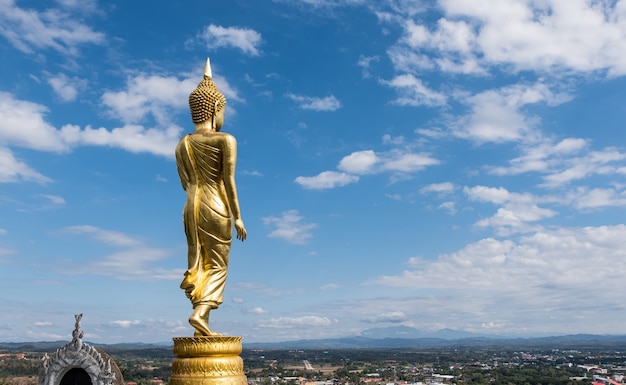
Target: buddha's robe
x=206 y=216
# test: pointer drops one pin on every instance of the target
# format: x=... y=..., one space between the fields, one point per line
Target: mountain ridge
x=387 y=337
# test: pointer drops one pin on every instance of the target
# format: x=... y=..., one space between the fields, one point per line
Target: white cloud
x=440 y=188
x=591 y=163
x=360 y=162
x=330 y=286
x=497 y=115
x=133 y=138
x=27 y=29
x=365 y=62
x=497 y=195
x=14 y=170
x=557 y=35
x=42 y=323
x=393 y=317
x=298 y=322
x=449 y=206
x=125 y=323
x=324 y=3
x=517 y=213
x=245 y=39
x=86 y=6
x=328 y=103
x=518 y=282
x=106 y=236
x=37 y=134
x=258 y=311
x=369 y=162
x=289 y=227
x=516 y=218
x=66 y=88
x=586 y=198
x=149 y=95
x=137 y=263
x=54 y=199
x=541 y=157
x=397 y=162
x=33 y=132
x=326 y=180
x=413 y=92
x=133 y=261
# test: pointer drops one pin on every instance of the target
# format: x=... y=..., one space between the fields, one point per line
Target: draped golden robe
x=206 y=216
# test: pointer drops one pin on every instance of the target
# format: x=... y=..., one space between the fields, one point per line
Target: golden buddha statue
x=206 y=162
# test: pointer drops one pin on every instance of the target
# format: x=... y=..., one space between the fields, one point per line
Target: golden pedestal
x=207 y=361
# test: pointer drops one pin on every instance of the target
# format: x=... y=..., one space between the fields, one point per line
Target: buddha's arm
x=229 y=163
x=183 y=164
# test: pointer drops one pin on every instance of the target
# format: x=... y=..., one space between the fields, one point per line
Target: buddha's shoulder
x=212 y=138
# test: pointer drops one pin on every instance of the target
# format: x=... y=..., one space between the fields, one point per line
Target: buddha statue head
x=206 y=102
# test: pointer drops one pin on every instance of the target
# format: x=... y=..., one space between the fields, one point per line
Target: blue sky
x=434 y=164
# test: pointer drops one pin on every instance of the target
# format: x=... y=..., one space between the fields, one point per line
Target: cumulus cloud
x=159 y=97
x=606 y=161
x=541 y=157
x=326 y=180
x=413 y=92
x=517 y=213
x=517 y=282
x=497 y=115
x=472 y=36
x=296 y=322
x=245 y=39
x=324 y=3
x=34 y=132
x=393 y=317
x=440 y=188
x=448 y=206
x=365 y=62
x=28 y=29
x=152 y=95
x=360 y=162
x=564 y=162
x=594 y=198
x=125 y=323
x=66 y=88
x=130 y=137
x=328 y=103
x=289 y=226
x=369 y=162
x=395 y=161
x=145 y=96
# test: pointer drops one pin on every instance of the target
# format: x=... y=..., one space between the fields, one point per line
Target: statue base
x=207 y=361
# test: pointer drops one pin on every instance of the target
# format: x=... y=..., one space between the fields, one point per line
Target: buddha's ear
x=213 y=120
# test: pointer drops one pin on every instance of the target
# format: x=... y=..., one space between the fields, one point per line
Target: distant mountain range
x=407 y=337
x=376 y=338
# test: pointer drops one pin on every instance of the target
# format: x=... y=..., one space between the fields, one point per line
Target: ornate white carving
x=76 y=354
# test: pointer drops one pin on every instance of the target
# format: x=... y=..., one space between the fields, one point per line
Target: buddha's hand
x=241 y=230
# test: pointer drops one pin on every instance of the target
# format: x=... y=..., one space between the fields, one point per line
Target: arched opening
x=76 y=376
